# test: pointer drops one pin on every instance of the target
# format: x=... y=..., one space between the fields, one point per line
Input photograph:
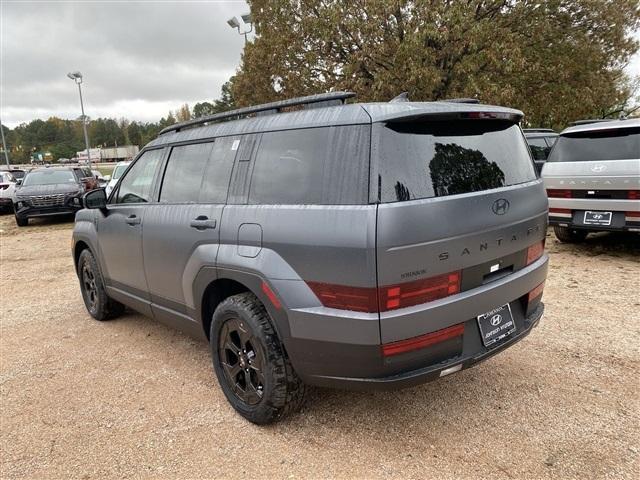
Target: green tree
x=557 y=60
x=134 y=134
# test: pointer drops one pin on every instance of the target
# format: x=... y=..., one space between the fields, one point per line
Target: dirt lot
x=131 y=398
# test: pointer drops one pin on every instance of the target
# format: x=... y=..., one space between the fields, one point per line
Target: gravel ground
x=132 y=398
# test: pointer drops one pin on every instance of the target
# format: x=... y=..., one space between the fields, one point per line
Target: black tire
x=264 y=387
x=22 y=222
x=98 y=304
x=570 y=235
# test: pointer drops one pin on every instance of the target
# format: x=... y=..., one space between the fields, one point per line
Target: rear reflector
x=632 y=214
x=633 y=194
x=559 y=210
x=422 y=341
x=535 y=251
x=536 y=292
x=420 y=291
x=272 y=296
x=556 y=193
x=358 y=299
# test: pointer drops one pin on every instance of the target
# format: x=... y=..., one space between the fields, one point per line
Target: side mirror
x=95 y=199
x=19 y=182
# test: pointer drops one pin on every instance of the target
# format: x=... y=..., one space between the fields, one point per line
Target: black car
x=540 y=141
x=49 y=191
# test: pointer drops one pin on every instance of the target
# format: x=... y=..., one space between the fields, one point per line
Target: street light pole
x=233 y=22
x=4 y=146
x=77 y=77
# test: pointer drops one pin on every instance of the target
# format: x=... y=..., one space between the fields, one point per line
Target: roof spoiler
x=594 y=120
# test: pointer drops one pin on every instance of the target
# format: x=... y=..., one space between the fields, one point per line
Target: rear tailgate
x=460 y=205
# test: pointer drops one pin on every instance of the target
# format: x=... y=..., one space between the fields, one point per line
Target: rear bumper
x=345 y=351
x=470 y=356
x=567 y=212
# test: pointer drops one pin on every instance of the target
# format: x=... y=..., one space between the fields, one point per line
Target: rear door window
x=322 y=166
x=438 y=158
x=539 y=148
x=599 y=145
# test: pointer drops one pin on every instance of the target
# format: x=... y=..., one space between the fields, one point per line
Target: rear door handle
x=133 y=220
x=202 y=222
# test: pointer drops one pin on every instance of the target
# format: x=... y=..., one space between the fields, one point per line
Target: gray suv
x=593 y=179
x=311 y=241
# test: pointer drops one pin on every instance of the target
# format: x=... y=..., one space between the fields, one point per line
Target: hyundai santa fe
x=592 y=178
x=318 y=242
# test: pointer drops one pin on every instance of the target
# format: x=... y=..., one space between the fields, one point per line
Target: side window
x=215 y=185
x=539 y=148
x=322 y=166
x=184 y=173
x=137 y=185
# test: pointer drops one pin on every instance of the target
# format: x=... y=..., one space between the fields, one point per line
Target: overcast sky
x=139 y=59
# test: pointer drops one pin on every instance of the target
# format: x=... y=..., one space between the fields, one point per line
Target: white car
x=7 y=190
x=117 y=173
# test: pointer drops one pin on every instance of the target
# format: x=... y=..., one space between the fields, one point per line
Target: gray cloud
x=139 y=59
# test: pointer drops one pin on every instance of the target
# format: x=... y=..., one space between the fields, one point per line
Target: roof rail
x=460 y=100
x=311 y=101
x=539 y=130
x=594 y=120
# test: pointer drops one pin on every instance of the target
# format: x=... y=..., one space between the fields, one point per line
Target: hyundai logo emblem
x=496 y=319
x=500 y=206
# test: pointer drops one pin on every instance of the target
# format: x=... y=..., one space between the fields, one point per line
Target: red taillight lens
x=402 y=295
x=420 y=291
x=536 y=292
x=632 y=214
x=633 y=194
x=535 y=251
x=422 y=341
x=555 y=193
x=358 y=299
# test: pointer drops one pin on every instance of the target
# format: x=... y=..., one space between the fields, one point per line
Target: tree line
x=556 y=60
x=64 y=138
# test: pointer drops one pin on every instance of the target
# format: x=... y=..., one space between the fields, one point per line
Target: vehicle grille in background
x=47 y=200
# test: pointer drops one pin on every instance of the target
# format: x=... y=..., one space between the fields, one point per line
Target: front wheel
x=252 y=367
x=98 y=304
x=570 y=235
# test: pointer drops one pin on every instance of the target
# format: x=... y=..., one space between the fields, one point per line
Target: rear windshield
x=612 y=144
x=439 y=158
x=49 y=177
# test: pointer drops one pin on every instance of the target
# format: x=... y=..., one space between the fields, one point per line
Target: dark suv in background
x=365 y=246
x=540 y=141
x=50 y=191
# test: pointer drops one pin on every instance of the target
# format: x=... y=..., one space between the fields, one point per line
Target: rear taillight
x=555 y=193
x=633 y=194
x=358 y=299
x=632 y=214
x=419 y=291
x=391 y=297
x=535 y=293
x=422 y=341
x=535 y=251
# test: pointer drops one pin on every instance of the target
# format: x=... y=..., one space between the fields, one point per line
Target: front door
x=120 y=232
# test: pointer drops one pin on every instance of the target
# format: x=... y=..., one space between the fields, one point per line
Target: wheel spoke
x=232 y=371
